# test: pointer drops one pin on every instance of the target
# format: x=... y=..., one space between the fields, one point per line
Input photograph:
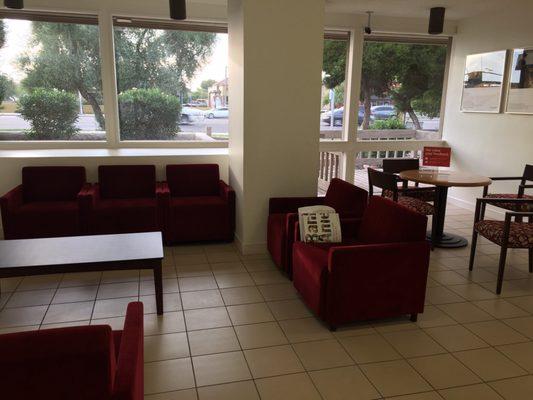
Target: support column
x=275 y=52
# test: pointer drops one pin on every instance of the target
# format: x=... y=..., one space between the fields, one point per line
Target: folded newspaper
x=319 y=224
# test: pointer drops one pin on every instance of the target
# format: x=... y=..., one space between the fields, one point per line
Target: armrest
x=89 y=196
x=506 y=178
x=226 y=191
x=130 y=362
x=12 y=200
x=527 y=205
x=162 y=193
x=284 y=205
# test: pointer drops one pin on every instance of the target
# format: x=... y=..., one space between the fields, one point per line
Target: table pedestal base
x=449 y=241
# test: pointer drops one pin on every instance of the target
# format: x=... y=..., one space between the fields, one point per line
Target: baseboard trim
x=250 y=248
x=471 y=206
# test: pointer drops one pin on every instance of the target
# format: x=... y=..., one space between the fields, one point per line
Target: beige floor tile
x=187 y=249
x=442 y=295
x=244 y=390
x=289 y=309
x=120 y=276
x=31 y=298
x=116 y=323
x=250 y=313
x=212 y=341
x=520 y=388
x=234 y=280
x=520 y=353
x=40 y=282
x=524 y=302
x=271 y=361
x=304 y=329
x=413 y=343
x=197 y=283
x=443 y=371
x=15 y=329
x=165 y=347
x=169 y=375
x=186 y=394
x=456 y=338
x=354 y=329
x=472 y=292
x=268 y=277
x=474 y=392
x=394 y=378
x=500 y=308
x=259 y=265
x=293 y=387
x=465 y=312
x=241 y=295
x=260 y=335
x=9 y=284
x=73 y=294
x=188 y=271
x=432 y=317
x=343 y=383
x=112 y=307
x=219 y=368
x=228 y=268
x=280 y=291
x=171 y=302
x=496 y=333
x=396 y=324
x=448 y=278
x=69 y=312
x=190 y=259
x=81 y=279
x=418 y=396
x=69 y=324
x=322 y=354
x=524 y=325
x=489 y=364
x=206 y=318
x=201 y=299
x=227 y=256
x=147 y=286
x=369 y=348
x=169 y=322
x=478 y=275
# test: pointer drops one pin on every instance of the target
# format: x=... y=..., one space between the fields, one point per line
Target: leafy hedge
x=52 y=114
x=148 y=114
x=391 y=123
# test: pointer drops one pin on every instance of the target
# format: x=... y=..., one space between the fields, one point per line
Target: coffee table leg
x=158 y=281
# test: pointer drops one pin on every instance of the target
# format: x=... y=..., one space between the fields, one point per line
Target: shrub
x=148 y=114
x=52 y=114
x=391 y=123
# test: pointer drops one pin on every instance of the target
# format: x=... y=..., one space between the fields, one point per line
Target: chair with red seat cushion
x=397 y=165
x=126 y=199
x=347 y=199
x=378 y=274
x=84 y=362
x=201 y=205
x=45 y=204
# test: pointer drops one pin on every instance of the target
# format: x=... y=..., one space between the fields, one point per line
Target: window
x=172 y=81
x=50 y=83
x=333 y=82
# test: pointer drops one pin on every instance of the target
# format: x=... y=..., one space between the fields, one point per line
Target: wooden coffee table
x=84 y=254
x=442 y=181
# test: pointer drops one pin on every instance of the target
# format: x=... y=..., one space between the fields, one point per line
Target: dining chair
x=397 y=165
x=507 y=234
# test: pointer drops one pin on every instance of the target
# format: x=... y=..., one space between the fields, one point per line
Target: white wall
x=488 y=144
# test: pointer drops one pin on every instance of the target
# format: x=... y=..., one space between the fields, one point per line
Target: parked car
x=338 y=116
x=384 y=112
x=190 y=115
x=222 y=112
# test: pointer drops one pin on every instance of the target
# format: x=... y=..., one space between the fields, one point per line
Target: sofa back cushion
x=59 y=364
x=126 y=181
x=385 y=221
x=193 y=180
x=52 y=183
x=347 y=199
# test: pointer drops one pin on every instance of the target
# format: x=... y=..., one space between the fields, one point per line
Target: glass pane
x=172 y=84
x=50 y=83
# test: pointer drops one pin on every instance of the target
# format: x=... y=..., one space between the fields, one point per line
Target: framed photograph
x=483 y=82
x=520 y=88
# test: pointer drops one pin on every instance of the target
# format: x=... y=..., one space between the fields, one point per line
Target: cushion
x=52 y=183
x=345 y=198
x=511 y=206
x=424 y=194
x=126 y=181
x=193 y=179
x=520 y=233
x=416 y=205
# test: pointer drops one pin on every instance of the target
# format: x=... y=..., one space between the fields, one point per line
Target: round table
x=442 y=181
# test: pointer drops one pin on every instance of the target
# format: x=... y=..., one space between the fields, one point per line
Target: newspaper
x=319 y=224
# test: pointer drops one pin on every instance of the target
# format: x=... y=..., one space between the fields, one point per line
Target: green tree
x=203 y=91
x=2 y=34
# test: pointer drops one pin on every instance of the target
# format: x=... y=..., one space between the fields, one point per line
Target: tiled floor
x=234 y=328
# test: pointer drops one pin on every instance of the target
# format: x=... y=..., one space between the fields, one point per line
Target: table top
x=80 y=249
x=445 y=178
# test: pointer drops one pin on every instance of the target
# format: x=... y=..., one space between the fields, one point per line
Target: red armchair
x=84 y=362
x=378 y=274
x=126 y=199
x=45 y=204
x=348 y=200
x=201 y=206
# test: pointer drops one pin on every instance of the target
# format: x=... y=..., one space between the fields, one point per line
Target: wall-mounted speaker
x=436 y=20
x=178 y=9
x=16 y=4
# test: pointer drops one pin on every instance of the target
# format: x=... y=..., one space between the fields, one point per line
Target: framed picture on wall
x=483 y=82
x=520 y=90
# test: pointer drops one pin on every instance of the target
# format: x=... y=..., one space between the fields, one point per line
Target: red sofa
x=126 y=199
x=84 y=362
x=380 y=273
x=200 y=205
x=348 y=200
x=45 y=204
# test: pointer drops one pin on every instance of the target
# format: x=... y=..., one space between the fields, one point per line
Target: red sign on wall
x=437 y=156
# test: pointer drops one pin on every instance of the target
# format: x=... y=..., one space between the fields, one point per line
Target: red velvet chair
x=45 y=204
x=380 y=273
x=201 y=206
x=126 y=199
x=83 y=362
x=348 y=200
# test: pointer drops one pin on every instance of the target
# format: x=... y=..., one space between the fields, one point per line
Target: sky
x=19 y=34
x=491 y=64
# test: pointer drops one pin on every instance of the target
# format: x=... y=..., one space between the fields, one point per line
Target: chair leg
x=414 y=317
x=472 y=250
x=531 y=259
x=332 y=328
x=501 y=268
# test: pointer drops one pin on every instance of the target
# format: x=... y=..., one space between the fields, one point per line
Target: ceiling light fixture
x=178 y=9
x=16 y=4
x=436 y=20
